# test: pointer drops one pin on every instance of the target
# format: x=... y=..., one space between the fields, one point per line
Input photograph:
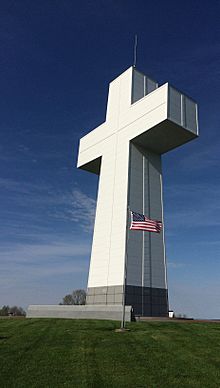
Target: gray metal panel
x=190 y=115
x=138 y=87
x=145 y=250
x=182 y=110
x=150 y=85
x=175 y=105
x=154 y=269
x=141 y=86
x=134 y=273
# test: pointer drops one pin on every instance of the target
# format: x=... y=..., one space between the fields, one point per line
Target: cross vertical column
x=143 y=121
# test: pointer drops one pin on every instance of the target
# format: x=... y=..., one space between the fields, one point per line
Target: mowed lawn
x=81 y=353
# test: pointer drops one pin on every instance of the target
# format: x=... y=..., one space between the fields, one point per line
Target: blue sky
x=57 y=58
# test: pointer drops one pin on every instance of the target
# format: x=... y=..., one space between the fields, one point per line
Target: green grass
x=73 y=353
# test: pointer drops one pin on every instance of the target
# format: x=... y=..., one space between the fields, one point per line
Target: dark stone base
x=146 y=301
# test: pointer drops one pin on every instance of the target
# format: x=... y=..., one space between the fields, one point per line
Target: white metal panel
x=146 y=105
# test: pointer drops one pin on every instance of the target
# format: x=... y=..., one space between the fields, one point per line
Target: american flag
x=140 y=222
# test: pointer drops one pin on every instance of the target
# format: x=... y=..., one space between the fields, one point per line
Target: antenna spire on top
x=135 y=49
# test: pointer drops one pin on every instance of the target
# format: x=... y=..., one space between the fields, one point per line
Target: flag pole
x=125 y=272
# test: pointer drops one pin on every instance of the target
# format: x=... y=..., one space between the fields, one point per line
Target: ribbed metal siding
x=175 y=105
x=190 y=115
x=145 y=258
x=150 y=85
x=182 y=110
x=141 y=86
x=138 y=87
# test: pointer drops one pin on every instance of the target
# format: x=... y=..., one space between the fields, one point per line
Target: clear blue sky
x=57 y=58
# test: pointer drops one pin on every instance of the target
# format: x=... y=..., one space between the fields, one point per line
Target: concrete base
x=80 y=312
x=145 y=301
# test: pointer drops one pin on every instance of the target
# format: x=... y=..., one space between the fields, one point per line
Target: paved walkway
x=178 y=320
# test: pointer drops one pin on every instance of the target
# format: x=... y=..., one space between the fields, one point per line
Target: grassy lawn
x=79 y=353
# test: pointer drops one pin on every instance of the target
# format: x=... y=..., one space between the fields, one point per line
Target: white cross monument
x=143 y=121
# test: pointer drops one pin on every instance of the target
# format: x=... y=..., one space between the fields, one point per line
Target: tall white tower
x=143 y=121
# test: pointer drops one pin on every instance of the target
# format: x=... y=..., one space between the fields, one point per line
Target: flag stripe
x=141 y=222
